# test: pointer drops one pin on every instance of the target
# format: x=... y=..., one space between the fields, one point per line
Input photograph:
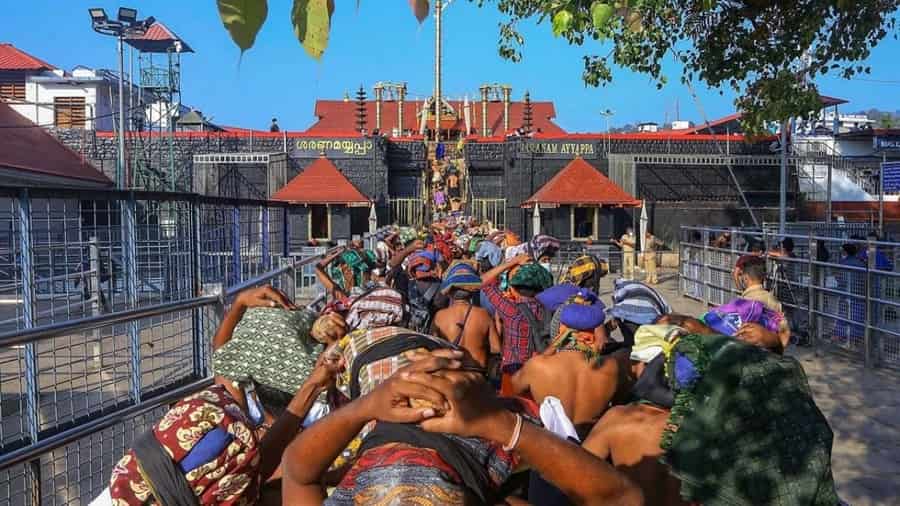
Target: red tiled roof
x=338 y=115
x=26 y=147
x=13 y=58
x=320 y=183
x=579 y=183
x=158 y=38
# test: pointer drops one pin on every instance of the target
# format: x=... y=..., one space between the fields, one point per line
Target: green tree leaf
x=243 y=19
x=420 y=8
x=562 y=21
x=601 y=13
x=312 y=24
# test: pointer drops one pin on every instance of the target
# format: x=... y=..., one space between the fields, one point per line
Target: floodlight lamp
x=127 y=15
x=149 y=22
x=98 y=15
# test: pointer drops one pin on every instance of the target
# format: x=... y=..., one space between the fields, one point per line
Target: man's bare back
x=585 y=389
x=629 y=436
x=478 y=333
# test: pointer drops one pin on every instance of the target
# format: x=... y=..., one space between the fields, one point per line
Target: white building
x=51 y=97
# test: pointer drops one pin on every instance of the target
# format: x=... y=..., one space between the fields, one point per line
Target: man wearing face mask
x=749 y=274
x=626 y=243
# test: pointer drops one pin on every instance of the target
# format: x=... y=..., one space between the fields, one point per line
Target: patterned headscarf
x=543 y=245
x=586 y=271
x=329 y=328
x=381 y=307
x=211 y=441
x=462 y=276
x=728 y=318
x=532 y=275
x=271 y=346
x=407 y=235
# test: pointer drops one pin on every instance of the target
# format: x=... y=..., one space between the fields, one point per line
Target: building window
x=68 y=112
x=585 y=223
x=320 y=223
x=12 y=90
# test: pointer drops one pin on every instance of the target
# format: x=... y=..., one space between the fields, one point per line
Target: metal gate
x=407 y=212
x=493 y=210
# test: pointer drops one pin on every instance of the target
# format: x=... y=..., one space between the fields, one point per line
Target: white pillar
x=536 y=220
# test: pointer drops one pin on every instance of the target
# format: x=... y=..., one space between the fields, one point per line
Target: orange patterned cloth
x=229 y=478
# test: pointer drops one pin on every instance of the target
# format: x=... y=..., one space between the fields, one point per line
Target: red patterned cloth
x=231 y=478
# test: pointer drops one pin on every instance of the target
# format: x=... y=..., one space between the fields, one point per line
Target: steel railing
x=837 y=300
x=36 y=454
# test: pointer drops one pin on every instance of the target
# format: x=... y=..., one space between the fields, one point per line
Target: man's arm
x=310 y=454
x=598 y=441
x=492 y=275
x=323 y=277
x=496 y=345
x=283 y=430
x=401 y=255
x=521 y=380
x=475 y=411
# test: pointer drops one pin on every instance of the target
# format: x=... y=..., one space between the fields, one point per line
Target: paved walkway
x=862 y=406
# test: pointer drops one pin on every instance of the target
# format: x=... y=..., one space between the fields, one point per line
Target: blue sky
x=382 y=41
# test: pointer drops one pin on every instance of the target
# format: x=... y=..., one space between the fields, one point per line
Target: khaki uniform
x=650 y=260
x=626 y=242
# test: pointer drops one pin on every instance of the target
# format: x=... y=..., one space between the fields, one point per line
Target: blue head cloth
x=556 y=295
x=586 y=312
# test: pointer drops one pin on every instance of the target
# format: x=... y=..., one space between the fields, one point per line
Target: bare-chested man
x=629 y=436
x=462 y=322
x=573 y=371
x=467 y=325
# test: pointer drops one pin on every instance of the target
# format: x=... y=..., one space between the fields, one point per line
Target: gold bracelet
x=514 y=440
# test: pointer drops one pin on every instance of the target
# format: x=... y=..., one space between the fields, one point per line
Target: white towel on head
x=555 y=419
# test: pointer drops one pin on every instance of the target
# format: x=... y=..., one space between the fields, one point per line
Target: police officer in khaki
x=627 y=242
x=650 y=245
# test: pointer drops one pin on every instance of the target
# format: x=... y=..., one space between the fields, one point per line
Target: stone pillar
x=379 y=93
x=401 y=96
x=507 y=91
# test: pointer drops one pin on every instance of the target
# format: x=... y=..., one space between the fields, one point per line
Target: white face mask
x=546 y=265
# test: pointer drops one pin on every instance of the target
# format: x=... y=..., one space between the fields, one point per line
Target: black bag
x=538 y=330
x=420 y=307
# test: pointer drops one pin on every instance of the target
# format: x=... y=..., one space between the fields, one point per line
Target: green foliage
x=312 y=23
x=767 y=51
x=311 y=20
x=243 y=19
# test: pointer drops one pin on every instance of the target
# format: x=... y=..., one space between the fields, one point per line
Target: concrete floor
x=861 y=405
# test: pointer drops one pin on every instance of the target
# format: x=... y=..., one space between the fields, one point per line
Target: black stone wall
x=513 y=170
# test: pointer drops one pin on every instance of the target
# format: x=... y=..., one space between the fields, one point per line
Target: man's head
x=849 y=249
x=648 y=234
x=787 y=244
x=750 y=270
x=629 y=230
x=530 y=279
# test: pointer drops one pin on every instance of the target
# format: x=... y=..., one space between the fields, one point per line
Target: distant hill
x=885 y=119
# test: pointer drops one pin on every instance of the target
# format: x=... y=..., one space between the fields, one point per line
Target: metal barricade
x=842 y=293
x=76 y=393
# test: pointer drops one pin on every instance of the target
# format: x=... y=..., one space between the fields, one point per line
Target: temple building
x=497 y=159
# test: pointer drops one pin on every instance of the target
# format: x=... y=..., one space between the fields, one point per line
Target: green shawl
x=745 y=429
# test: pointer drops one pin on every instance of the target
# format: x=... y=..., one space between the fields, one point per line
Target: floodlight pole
x=782 y=197
x=120 y=169
x=438 y=9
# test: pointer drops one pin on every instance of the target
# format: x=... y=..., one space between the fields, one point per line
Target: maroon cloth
x=516 y=327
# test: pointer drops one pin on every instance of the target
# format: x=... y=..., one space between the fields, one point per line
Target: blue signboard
x=891 y=173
